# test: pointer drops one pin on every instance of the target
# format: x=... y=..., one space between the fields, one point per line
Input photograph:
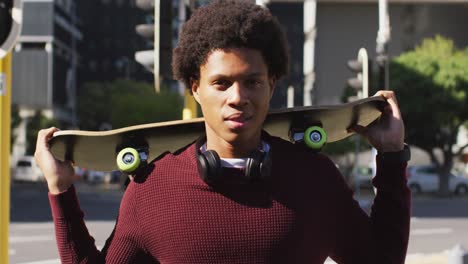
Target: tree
x=123 y=103
x=431 y=83
x=93 y=104
x=37 y=122
x=139 y=104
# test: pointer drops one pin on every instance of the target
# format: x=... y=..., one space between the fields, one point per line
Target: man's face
x=234 y=92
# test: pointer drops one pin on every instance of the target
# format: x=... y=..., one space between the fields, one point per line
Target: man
x=240 y=195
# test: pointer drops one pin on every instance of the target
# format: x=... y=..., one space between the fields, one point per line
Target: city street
x=437 y=224
x=32 y=237
x=136 y=78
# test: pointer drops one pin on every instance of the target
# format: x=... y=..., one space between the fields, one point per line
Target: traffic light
x=10 y=24
x=360 y=66
x=158 y=32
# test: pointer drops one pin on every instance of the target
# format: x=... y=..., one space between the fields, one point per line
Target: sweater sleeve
x=76 y=245
x=381 y=237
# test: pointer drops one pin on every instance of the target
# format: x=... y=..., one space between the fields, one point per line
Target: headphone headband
x=257 y=168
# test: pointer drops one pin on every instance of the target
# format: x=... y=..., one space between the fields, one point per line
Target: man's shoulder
x=298 y=154
x=167 y=163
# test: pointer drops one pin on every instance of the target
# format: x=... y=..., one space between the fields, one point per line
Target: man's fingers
x=43 y=138
x=392 y=101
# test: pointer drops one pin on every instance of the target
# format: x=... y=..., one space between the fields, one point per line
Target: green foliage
x=34 y=124
x=93 y=105
x=431 y=83
x=145 y=106
x=124 y=103
x=345 y=146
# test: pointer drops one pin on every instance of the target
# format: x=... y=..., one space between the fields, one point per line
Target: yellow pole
x=190 y=106
x=5 y=115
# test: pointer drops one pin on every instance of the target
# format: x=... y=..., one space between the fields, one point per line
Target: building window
x=93 y=66
x=120 y=3
x=33 y=45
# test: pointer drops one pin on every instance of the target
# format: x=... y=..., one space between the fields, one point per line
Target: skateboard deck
x=97 y=150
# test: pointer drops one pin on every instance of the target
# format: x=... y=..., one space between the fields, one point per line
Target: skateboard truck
x=129 y=160
x=313 y=137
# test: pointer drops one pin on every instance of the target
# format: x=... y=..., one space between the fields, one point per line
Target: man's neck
x=240 y=148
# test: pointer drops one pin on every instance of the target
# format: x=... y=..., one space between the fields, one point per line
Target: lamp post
x=383 y=38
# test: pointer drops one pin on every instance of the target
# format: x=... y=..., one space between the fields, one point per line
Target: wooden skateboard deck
x=97 y=150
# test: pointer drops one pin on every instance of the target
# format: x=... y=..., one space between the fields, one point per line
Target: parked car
x=26 y=169
x=365 y=176
x=97 y=176
x=425 y=179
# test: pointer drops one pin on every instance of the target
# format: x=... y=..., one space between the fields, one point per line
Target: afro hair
x=227 y=24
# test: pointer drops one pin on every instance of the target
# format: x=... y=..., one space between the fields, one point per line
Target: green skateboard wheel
x=128 y=160
x=315 y=137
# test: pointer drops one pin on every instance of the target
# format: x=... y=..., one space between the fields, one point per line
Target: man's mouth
x=236 y=121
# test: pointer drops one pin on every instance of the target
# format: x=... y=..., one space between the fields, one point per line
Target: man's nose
x=237 y=95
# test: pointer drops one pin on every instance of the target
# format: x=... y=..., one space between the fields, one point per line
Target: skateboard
x=129 y=149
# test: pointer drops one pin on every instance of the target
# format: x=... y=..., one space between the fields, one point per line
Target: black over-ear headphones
x=257 y=167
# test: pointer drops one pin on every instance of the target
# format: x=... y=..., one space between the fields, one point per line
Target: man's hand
x=59 y=174
x=386 y=135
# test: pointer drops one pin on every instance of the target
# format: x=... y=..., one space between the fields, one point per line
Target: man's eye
x=253 y=83
x=221 y=83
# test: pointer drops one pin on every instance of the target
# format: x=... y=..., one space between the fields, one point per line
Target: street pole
x=364 y=59
x=383 y=37
x=361 y=84
x=310 y=34
x=5 y=115
x=190 y=105
x=157 y=77
x=11 y=18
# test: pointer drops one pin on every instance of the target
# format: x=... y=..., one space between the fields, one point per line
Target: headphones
x=257 y=167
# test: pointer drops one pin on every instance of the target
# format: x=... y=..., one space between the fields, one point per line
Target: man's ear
x=194 y=85
x=272 y=83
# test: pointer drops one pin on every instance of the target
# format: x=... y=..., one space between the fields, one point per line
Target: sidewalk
x=365 y=200
x=437 y=258
x=434 y=258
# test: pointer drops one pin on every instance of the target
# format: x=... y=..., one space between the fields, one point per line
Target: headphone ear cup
x=210 y=165
x=202 y=167
x=254 y=164
x=265 y=167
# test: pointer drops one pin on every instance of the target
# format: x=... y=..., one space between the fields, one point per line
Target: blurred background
x=90 y=65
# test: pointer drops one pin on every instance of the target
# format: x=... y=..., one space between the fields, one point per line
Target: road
x=436 y=224
x=32 y=237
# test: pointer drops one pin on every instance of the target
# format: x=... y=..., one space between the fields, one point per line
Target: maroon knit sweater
x=304 y=214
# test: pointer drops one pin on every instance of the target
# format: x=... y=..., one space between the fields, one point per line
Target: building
x=66 y=43
x=45 y=64
x=110 y=41
x=45 y=59
x=338 y=28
